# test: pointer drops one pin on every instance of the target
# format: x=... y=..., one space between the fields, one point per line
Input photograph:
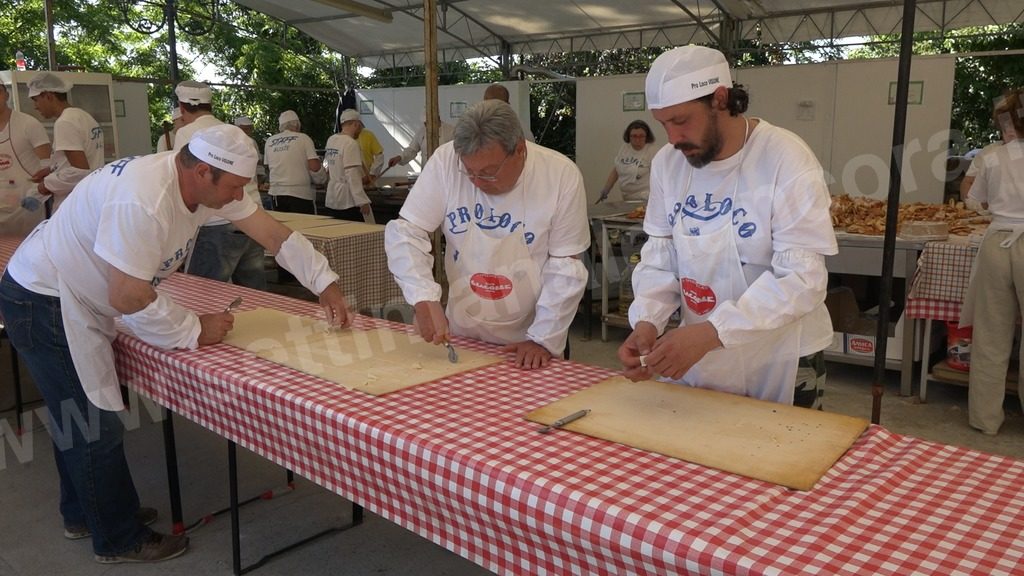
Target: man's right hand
x=393 y=160
x=214 y=327
x=638 y=344
x=430 y=322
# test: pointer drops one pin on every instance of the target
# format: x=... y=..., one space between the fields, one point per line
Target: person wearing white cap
x=418 y=144
x=346 y=198
x=24 y=147
x=245 y=123
x=514 y=218
x=195 y=103
x=739 y=226
x=293 y=166
x=77 y=138
x=129 y=226
x=166 y=140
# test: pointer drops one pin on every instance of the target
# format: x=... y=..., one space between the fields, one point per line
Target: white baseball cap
x=349 y=115
x=47 y=82
x=286 y=117
x=226 y=147
x=192 y=92
x=243 y=121
x=684 y=74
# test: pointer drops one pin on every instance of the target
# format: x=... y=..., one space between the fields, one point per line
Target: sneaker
x=153 y=548
x=145 y=515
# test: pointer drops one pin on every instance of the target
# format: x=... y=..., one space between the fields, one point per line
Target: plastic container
x=626 y=285
x=958 y=346
x=19 y=60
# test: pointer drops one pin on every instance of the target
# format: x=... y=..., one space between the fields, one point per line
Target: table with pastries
x=454 y=461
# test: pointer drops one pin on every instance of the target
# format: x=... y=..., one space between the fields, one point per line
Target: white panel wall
x=133 y=128
x=398 y=113
x=840 y=109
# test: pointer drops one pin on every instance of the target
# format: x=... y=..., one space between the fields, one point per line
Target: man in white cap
x=77 y=138
x=195 y=102
x=245 y=123
x=514 y=218
x=346 y=198
x=24 y=147
x=418 y=143
x=293 y=166
x=130 y=226
x=739 y=226
x=166 y=140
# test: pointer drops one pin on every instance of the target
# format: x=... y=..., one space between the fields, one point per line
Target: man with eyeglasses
x=514 y=219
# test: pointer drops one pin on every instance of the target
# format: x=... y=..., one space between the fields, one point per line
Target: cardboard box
x=838 y=343
x=858 y=329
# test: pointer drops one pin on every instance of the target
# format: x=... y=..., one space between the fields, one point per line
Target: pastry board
x=376 y=361
x=782 y=444
x=294 y=216
x=306 y=225
x=342 y=229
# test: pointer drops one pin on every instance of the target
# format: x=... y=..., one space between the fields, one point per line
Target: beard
x=710 y=144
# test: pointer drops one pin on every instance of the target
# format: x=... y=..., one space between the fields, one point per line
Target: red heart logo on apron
x=490 y=286
x=699 y=298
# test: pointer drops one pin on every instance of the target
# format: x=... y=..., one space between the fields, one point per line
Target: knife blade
x=234 y=305
x=563 y=421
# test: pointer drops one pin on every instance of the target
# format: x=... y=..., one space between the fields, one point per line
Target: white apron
x=1016 y=229
x=493 y=287
x=15 y=179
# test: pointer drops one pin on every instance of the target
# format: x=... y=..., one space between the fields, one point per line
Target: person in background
x=127 y=227
x=245 y=124
x=25 y=146
x=343 y=161
x=418 y=144
x=994 y=297
x=739 y=227
x=514 y=219
x=977 y=161
x=166 y=140
x=632 y=168
x=195 y=103
x=293 y=166
x=371 y=154
x=498 y=92
x=77 y=138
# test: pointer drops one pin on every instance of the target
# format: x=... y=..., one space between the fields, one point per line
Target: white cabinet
x=91 y=92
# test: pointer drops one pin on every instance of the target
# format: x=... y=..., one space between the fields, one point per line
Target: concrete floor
x=30 y=526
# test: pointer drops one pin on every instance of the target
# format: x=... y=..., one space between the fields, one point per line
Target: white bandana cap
x=349 y=115
x=226 y=147
x=192 y=92
x=286 y=117
x=47 y=82
x=243 y=121
x=684 y=74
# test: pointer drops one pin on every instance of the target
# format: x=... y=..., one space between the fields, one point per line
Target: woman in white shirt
x=632 y=169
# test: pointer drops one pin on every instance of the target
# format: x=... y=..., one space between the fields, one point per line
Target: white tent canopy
x=485 y=28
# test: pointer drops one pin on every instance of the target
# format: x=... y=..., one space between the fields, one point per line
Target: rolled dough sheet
x=341 y=229
x=785 y=445
x=376 y=361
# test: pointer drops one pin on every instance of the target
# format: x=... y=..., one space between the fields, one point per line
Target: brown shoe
x=153 y=548
x=145 y=515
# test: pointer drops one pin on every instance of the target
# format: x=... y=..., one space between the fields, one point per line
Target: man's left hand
x=335 y=307
x=40 y=174
x=679 y=349
x=529 y=354
x=42 y=189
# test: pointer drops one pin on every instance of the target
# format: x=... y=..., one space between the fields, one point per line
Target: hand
x=335 y=307
x=214 y=327
x=393 y=160
x=678 y=350
x=40 y=174
x=604 y=196
x=430 y=321
x=42 y=189
x=639 y=343
x=529 y=354
x=364 y=209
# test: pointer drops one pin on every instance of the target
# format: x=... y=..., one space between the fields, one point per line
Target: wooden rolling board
x=375 y=361
x=306 y=225
x=341 y=229
x=785 y=445
x=293 y=216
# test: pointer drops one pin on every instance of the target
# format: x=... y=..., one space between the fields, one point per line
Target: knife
x=453 y=356
x=234 y=305
x=563 y=421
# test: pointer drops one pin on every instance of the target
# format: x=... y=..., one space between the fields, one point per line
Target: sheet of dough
x=342 y=229
x=293 y=216
x=306 y=225
x=375 y=361
x=785 y=445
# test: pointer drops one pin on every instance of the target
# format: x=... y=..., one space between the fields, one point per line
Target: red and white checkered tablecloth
x=362 y=264
x=454 y=461
x=943 y=274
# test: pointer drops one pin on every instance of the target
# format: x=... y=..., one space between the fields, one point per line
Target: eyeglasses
x=486 y=177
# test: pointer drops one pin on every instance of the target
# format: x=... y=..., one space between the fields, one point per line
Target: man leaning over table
x=739 y=226
x=514 y=218
x=129 y=226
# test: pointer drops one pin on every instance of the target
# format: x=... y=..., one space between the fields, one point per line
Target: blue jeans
x=224 y=253
x=96 y=488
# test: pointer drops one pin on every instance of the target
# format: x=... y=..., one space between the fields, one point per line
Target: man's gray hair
x=486 y=122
